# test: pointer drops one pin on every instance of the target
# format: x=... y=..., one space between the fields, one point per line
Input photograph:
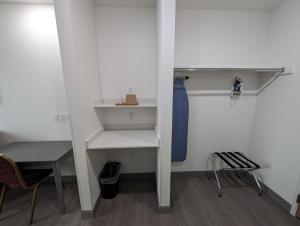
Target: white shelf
x=122 y=139
x=111 y=103
x=250 y=68
x=269 y=72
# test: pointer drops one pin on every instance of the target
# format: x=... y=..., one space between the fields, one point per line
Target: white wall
x=276 y=130
x=215 y=125
x=133 y=160
x=31 y=79
x=127 y=59
x=77 y=36
x=32 y=87
x=216 y=37
x=127 y=51
x=220 y=37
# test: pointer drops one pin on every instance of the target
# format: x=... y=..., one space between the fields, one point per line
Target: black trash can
x=109 y=179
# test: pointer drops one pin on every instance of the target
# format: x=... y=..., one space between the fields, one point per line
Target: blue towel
x=180 y=121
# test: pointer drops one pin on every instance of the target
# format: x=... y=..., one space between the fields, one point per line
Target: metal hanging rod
x=182 y=77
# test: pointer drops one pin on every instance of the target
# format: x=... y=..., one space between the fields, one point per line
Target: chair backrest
x=10 y=173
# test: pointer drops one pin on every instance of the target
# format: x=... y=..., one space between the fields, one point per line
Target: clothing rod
x=182 y=77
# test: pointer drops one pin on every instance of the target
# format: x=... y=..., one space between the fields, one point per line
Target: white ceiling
x=182 y=4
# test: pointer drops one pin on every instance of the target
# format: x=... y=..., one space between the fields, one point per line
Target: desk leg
x=59 y=187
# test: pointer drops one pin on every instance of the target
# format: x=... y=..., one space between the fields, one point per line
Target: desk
x=41 y=155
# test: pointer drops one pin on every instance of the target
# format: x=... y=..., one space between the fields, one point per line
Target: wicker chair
x=11 y=176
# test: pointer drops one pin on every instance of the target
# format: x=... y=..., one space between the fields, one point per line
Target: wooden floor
x=194 y=202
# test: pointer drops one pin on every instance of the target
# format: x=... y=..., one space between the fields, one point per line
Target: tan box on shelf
x=130 y=100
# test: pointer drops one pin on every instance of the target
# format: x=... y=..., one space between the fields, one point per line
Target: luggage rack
x=235 y=161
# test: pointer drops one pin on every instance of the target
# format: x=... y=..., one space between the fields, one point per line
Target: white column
x=166 y=41
x=77 y=37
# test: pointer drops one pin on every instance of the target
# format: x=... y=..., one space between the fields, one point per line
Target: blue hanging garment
x=180 y=121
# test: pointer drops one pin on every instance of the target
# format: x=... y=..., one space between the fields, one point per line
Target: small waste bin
x=109 y=179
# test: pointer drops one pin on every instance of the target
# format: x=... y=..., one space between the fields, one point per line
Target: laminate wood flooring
x=194 y=203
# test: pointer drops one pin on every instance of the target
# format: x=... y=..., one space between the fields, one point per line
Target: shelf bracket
x=285 y=71
x=269 y=82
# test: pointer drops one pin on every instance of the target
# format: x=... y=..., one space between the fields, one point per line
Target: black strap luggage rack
x=235 y=161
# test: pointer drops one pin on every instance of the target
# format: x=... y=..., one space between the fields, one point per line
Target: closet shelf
x=123 y=139
x=111 y=103
x=267 y=74
x=267 y=69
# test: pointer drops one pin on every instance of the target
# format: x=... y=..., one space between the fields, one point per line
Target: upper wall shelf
x=259 y=69
x=111 y=103
x=266 y=74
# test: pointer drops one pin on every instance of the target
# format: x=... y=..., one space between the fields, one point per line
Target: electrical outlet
x=65 y=117
x=56 y=117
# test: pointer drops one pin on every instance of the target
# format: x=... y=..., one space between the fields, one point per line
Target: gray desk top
x=44 y=151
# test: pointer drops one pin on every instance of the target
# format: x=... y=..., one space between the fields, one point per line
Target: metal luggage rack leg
x=234 y=161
